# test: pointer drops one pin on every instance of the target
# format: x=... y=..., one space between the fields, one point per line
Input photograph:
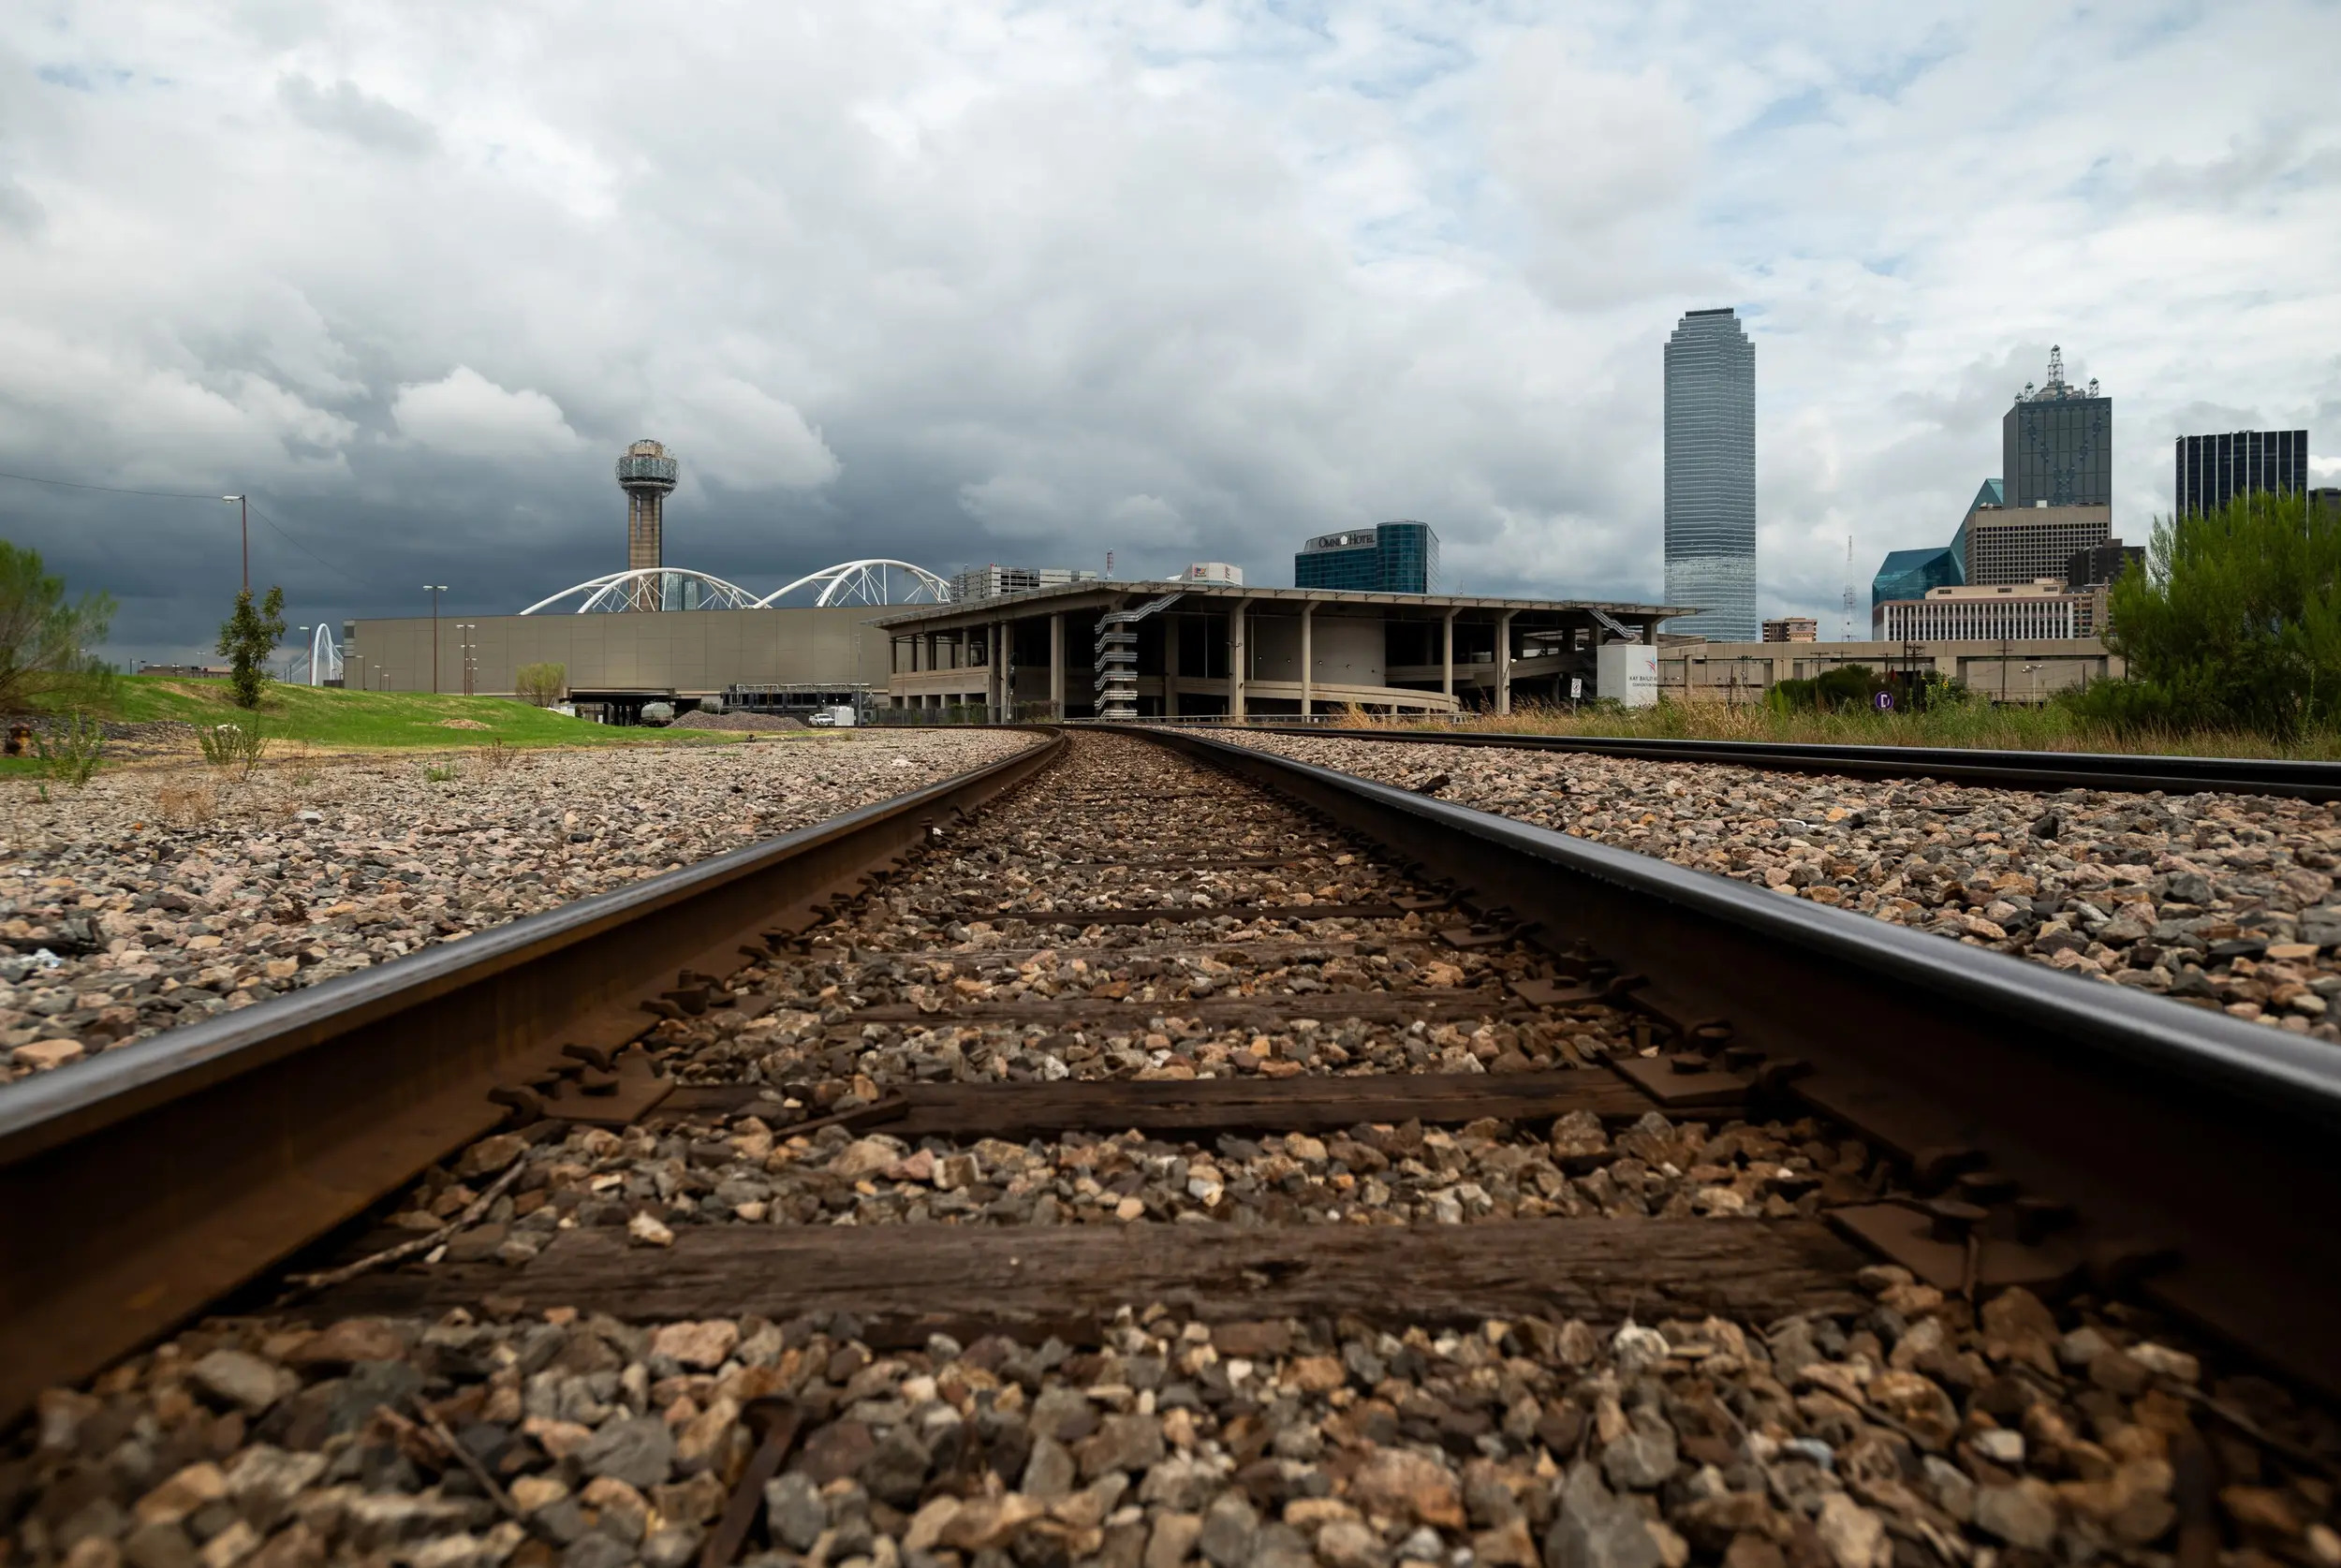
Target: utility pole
x=434 y=590
x=244 y=526
x=313 y=655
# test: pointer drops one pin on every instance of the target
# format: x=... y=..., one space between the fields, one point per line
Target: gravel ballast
x=2222 y=900
x=1899 y=1426
x=151 y=899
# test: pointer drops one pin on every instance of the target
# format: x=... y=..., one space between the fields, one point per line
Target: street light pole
x=313 y=657
x=244 y=526
x=434 y=590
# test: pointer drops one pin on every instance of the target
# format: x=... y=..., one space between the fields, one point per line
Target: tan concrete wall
x=691 y=652
x=1343 y=650
x=2026 y=669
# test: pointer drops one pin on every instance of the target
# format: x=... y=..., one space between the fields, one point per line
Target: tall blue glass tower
x=1711 y=476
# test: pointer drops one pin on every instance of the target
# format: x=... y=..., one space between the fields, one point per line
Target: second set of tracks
x=1144 y=1020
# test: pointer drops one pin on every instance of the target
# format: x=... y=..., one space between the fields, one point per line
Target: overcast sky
x=966 y=281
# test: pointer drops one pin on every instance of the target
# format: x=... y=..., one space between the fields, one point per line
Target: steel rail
x=2189 y=1149
x=138 y=1188
x=2004 y=770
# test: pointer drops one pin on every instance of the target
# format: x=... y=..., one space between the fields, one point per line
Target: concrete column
x=1447 y=674
x=1056 y=665
x=1169 y=667
x=1308 y=660
x=1504 y=663
x=1238 y=657
x=1003 y=642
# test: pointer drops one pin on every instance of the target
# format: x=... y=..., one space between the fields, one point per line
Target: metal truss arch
x=652 y=588
x=868 y=583
x=325 y=660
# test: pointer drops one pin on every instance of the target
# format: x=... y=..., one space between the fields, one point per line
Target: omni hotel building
x=1991 y=613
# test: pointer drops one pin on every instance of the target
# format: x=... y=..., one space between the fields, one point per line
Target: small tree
x=540 y=686
x=2234 y=625
x=248 y=637
x=44 y=640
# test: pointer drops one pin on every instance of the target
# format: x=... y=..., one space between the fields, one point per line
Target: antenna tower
x=1845 y=633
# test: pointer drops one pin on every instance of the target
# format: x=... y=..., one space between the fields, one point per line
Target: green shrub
x=234 y=745
x=248 y=637
x=1855 y=688
x=540 y=686
x=2235 y=624
x=69 y=752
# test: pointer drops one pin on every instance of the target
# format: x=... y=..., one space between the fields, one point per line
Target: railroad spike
x=1986 y=1187
x=1935 y=1168
x=1953 y=1221
x=775 y=1422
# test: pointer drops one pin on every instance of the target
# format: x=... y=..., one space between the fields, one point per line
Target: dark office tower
x=2099 y=565
x=2056 y=443
x=2214 y=469
x=1391 y=558
x=1711 y=476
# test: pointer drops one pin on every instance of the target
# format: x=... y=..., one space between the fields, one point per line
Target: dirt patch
x=463 y=723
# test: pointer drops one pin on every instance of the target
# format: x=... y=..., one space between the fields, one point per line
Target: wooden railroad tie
x=901 y=1279
x=1309 y=1102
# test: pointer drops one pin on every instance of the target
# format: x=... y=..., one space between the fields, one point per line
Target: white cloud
x=346 y=110
x=466 y=415
x=1015 y=508
x=743 y=437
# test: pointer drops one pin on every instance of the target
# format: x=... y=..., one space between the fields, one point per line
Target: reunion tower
x=646 y=473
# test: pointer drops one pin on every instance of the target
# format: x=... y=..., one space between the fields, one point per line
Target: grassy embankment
x=331 y=719
x=2047 y=729
x=344 y=720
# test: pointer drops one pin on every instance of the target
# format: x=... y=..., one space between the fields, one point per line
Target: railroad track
x=1147 y=1147
x=2007 y=769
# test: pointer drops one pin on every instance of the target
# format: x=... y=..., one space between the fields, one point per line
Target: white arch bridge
x=873 y=582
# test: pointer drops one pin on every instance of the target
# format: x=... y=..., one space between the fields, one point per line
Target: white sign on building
x=1626 y=673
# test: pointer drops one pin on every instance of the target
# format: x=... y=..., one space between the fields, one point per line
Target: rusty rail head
x=2190 y=1148
x=161 y=1176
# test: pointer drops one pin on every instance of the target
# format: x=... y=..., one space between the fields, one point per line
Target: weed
x=69 y=752
x=496 y=757
x=239 y=747
x=187 y=802
x=438 y=775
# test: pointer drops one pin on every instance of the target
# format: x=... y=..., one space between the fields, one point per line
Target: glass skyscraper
x=2056 y=443
x=1711 y=476
x=2214 y=469
x=1391 y=558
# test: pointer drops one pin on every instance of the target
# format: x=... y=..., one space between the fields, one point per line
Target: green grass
x=329 y=717
x=1976 y=725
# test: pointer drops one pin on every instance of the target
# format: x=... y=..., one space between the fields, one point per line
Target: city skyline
x=1037 y=283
